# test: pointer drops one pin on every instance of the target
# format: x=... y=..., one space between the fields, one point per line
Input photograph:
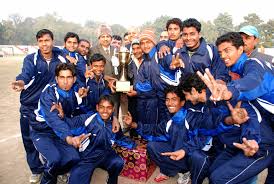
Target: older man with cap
x=250 y=37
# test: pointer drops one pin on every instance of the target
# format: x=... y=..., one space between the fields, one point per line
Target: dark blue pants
x=232 y=166
x=32 y=154
x=167 y=166
x=270 y=174
x=199 y=162
x=109 y=161
x=147 y=110
x=59 y=156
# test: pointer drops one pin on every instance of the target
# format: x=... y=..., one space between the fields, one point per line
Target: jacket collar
x=239 y=65
x=202 y=50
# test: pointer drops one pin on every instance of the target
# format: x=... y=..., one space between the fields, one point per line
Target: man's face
x=191 y=37
x=132 y=34
x=193 y=96
x=174 y=31
x=164 y=36
x=173 y=102
x=250 y=43
x=98 y=67
x=146 y=45
x=116 y=43
x=71 y=44
x=105 y=109
x=137 y=51
x=105 y=40
x=65 y=80
x=45 y=44
x=83 y=48
x=229 y=53
x=126 y=40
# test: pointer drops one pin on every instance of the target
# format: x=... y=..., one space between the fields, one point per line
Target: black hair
x=43 y=32
x=192 y=81
x=126 y=34
x=176 y=90
x=234 y=38
x=84 y=40
x=191 y=22
x=65 y=66
x=116 y=37
x=176 y=21
x=108 y=98
x=97 y=57
x=71 y=35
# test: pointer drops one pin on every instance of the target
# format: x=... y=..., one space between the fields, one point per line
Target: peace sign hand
x=176 y=62
x=249 y=147
x=239 y=115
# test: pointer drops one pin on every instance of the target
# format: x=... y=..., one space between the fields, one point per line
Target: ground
x=13 y=168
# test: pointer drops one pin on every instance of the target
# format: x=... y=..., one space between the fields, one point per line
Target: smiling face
x=195 y=97
x=173 y=102
x=71 y=44
x=105 y=109
x=229 y=53
x=191 y=37
x=45 y=44
x=98 y=67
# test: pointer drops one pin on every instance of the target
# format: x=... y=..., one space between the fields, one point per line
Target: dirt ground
x=13 y=168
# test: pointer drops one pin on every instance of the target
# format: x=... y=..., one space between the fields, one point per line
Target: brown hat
x=148 y=34
x=104 y=29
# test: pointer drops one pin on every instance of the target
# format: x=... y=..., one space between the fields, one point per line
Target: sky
x=136 y=12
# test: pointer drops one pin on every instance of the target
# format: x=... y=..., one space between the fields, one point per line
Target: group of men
x=181 y=100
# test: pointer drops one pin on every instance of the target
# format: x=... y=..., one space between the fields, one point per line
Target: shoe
x=63 y=178
x=35 y=178
x=160 y=178
x=183 y=178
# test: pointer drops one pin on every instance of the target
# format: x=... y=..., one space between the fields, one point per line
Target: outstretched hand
x=76 y=141
x=83 y=92
x=59 y=108
x=176 y=62
x=18 y=85
x=249 y=147
x=218 y=90
x=175 y=155
x=239 y=115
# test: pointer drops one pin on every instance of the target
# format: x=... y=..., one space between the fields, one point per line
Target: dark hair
x=176 y=90
x=108 y=98
x=176 y=21
x=192 y=81
x=191 y=22
x=65 y=66
x=126 y=34
x=71 y=35
x=116 y=37
x=234 y=38
x=97 y=57
x=84 y=40
x=43 y=32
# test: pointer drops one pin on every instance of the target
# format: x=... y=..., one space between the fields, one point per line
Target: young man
x=116 y=42
x=97 y=150
x=71 y=42
x=51 y=133
x=197 y=55
x=84 y=49
x=38 y=70
x=97 y=85
x=247 y=145
x=148 y=79
x=250 y=37
x=167 y=136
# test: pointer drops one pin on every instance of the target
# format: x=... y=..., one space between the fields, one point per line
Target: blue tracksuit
x=231 y=165
x=49 y=131
x=96 y=89
x=97 y=152
x=80 y=67
x=206 y=56
x=256 y=84
x=165 y=137
x=147 y=83
x=36 y=73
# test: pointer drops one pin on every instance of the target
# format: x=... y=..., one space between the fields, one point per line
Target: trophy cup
x=123 y=85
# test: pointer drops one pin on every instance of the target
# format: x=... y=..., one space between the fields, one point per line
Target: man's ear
x=97 y=107
x=193 y=90
x=240 y=50
x=74 y=79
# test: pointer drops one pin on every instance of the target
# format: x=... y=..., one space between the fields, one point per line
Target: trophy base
x=122 y=86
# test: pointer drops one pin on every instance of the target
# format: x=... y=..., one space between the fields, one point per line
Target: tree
x=209 y=31
x=223 y=23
